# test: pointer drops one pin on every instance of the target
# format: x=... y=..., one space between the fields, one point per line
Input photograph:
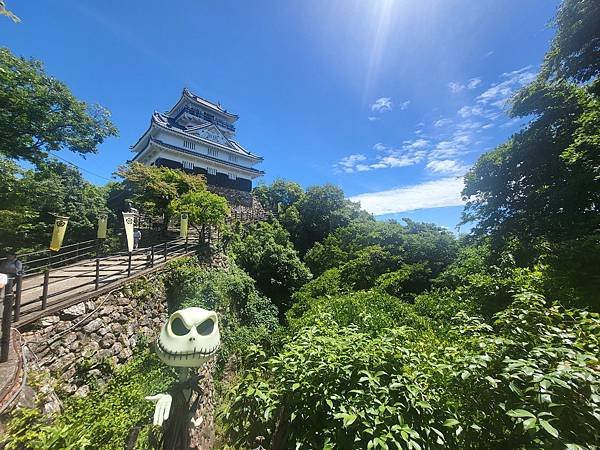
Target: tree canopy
x=39 y=114
x=538 y=194
x=203 y=207
x=30 y=198
x=154 y=188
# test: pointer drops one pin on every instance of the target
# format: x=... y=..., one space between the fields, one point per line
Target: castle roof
x=203 y=103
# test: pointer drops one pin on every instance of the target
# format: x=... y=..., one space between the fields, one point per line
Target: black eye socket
x=206 y=327
x=178 y=327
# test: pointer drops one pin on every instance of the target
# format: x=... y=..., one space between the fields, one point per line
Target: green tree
x=278 y=196
x=203 y=207
x=154 y=188
x=266 y=253
x=575 y=49
x=410 y=243
x=30 y=198
x=322 y=209
x=39 y=114
x=538 y=193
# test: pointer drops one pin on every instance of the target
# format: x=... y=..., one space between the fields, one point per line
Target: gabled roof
x=214 y=107
x=167 y=123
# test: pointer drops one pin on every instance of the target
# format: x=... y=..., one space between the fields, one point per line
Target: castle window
x=188 y=165
x=211 y=170
x=189 y=144
x=233 y=158
x=213 y=152
x=232 y=176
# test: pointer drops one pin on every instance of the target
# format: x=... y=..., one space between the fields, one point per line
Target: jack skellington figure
x=188 y=339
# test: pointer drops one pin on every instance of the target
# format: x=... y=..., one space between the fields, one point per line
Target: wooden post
x=97 y=273
x=165 y=251
x=152 y=256
x=18 y=297
x=7 y=299
x=45 y=288
x=129 y=265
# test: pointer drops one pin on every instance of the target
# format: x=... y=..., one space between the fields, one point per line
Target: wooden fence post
x=165 y=251
x=45 y=288
x=129 y=265
x=7 y=300
x=152 y=256
x=97 y=273
x=18 y=297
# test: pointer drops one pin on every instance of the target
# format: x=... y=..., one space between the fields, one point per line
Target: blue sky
x=390 y=99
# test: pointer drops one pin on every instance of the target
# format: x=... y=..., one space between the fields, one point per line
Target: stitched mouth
x=185 y=355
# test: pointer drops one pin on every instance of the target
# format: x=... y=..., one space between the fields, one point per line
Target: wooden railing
x=29 y=295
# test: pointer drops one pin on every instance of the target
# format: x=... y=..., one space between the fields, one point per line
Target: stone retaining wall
x=92 y=333
x=75 y=345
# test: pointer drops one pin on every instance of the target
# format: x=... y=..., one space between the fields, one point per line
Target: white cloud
x=404 y=105
x=473 y=83
x=382 y=104
x=488 y=54
x=498 y=94
x=431 y=194
x=416 y=144
x=455 y=86
x=411 y=153
x=442 y=122
x=446 y=166
x=468 y=111
x=349 y=163
x=372 y=119
x=455 y=146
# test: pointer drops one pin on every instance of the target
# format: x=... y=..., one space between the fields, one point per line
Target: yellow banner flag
x=129 y=219
x=102 y=222
x=183 y=227
x=58 y=234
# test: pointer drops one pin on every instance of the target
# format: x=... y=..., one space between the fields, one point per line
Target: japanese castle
x=198 y=136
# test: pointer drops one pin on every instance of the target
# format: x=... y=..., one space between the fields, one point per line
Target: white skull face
x=189 y=338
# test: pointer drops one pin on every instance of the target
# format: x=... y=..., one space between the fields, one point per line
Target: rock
x=116 y=328
x=68 y=374
x=107 y=341
x=123 y=318
x=117 y=348
x=123 y=301
x=102 y=331
x=75 y=311
x=90 y=305
x=90 y=349
x=50 y=320
x=69 y=338
x=83 y=391
x=94 y=325
x=27 y=397
x=75 y=346
x=105 y=353
x=108 y=310
x=132 y=341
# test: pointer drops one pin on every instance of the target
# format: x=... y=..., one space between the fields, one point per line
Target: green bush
x=266 y=253
x=104 y=418
x=246 y=316
x=530 y=380
x=328 y=283
x=370 y=311
x=406 y=282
